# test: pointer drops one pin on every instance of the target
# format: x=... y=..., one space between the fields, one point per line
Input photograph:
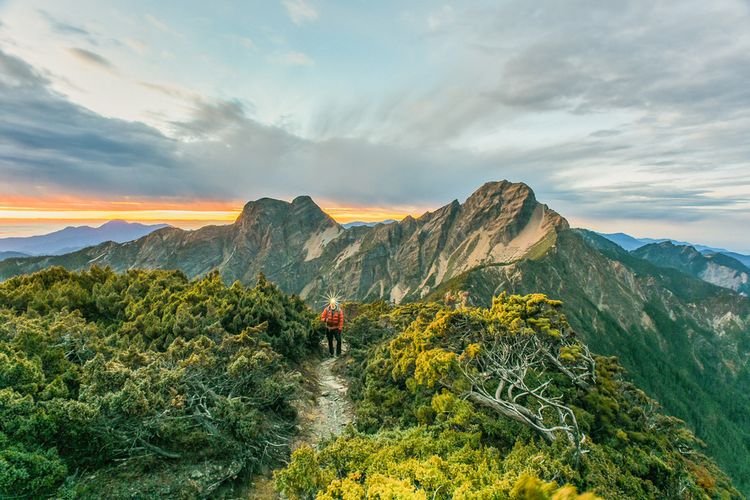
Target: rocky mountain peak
x=508 y=204
x=262 y=206
x=503 y=190
x=500 y=192
x=269 y=211
x=304 y=201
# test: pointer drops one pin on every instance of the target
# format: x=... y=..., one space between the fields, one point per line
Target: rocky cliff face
x=500 y=222
x=718 y=269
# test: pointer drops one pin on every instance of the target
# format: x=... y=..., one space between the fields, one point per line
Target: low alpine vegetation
x=143 y=383
x=498 y=402
x=148 y=384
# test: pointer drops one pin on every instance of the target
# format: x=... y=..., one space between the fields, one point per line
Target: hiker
x=333 y=317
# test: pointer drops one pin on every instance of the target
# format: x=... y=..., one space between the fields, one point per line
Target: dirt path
x=325 y=413
x=333 y=410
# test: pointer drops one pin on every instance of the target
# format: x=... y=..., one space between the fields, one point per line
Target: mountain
x=76 y=237
x=685 y=341
x=358 y=223
x=631 y=243
x=306 y=252
x=11 y=255
x=716 y=268
x=745 y=259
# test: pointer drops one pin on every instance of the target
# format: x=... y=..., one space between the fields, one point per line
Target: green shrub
x=140 y=370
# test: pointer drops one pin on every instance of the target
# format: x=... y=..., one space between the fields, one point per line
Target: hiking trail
x=324 y=413
x=333 y=410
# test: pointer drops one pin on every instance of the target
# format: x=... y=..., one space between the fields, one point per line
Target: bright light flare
x=333 y=299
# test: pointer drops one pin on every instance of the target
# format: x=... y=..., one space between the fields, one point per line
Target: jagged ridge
x=306 y=252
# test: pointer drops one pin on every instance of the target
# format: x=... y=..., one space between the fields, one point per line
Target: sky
x=622 y=116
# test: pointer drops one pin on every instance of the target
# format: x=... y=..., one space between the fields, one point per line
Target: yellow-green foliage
x=143 y=371
x=532 y=488
x=303 y=477
x=427 y=439
x=418 y=463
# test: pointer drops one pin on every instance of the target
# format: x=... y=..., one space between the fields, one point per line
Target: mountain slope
x=626 y=241
x=684 y=341
x=73 y=238
x=716 y=268
x=358 y=223
x=744 y=259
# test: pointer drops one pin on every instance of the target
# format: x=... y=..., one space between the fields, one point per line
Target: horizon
x=178 y=114
x=340 y=215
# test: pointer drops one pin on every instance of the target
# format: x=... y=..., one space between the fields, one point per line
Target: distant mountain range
x=359 y=223
x=717 y=268
x=713 y=265
x=11 y=255
x=685 y=341
x=74 y=238
x=631 y=243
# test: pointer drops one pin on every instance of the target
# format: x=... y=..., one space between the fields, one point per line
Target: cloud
x=690 y=62
x=441 y=17
x=160 y=25
x=300 y=11
x=91 y=58
x=170 y=90
x=248 y=43
x=138 y=46
x=211 y=120
x=605 y=133
x=222 y=152
x=62 y=27
x=47 y=143
x=578 y=100
x=156 y=23
x=291 y=58
x=15 y=73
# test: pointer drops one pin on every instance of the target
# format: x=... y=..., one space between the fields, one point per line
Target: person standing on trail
x=333 y=318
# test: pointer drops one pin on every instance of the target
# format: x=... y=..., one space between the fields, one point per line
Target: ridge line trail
x=324 y=413
x=333 y=409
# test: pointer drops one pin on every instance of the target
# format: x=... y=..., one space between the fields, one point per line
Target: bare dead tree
x=512 y=374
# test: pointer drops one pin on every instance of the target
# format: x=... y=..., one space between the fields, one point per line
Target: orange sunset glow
x=23 y=216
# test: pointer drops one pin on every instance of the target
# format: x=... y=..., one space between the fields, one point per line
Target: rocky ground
x=333 y=410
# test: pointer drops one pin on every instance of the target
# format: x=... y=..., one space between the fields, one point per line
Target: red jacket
x=333 y=318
